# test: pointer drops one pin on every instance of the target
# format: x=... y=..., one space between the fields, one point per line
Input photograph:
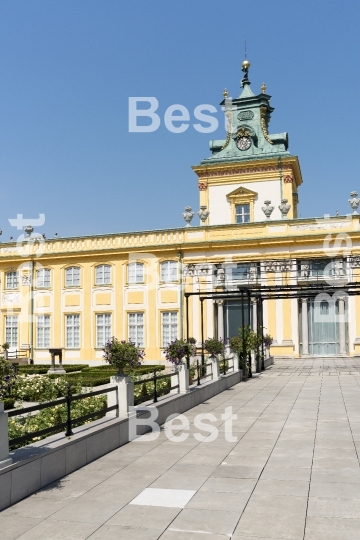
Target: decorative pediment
x=242 y=194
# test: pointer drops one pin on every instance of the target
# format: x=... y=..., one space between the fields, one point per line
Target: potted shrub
x=178 y=349
x=122 y=355
x=6 y=347
x=215 y=347
x=8 y=379
x=267 y=341
x=244 y=343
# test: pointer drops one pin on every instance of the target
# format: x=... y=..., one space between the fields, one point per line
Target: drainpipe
x=31 y=319
x=281 y=178
x=181 y=294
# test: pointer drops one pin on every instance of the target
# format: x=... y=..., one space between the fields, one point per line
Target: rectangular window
x=73 y=276
x=12 y=280
x=43 y=278
x=169 y=327
x=11 y=331
x=136 y=328
x=169 y=271
x=103 y=328
x=242 y=212
x=43 y=331
x=242 y=271
x=321 y=268
x=136 y=273
x=103 y=275
x=72 y=331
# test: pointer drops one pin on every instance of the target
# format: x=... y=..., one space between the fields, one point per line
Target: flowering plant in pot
x=267 y=340
x=214 y=347
x=122 y=355
x=178 y=349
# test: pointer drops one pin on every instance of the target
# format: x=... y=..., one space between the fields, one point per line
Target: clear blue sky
x=68 y=68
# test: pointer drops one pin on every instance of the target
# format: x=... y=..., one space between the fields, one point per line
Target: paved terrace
x=293 y=474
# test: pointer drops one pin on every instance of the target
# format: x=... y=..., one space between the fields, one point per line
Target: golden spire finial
x=263 y=88
x=225 y=93
x=245 y=66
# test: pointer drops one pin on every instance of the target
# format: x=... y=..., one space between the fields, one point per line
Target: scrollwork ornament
x=354 y=261
x=189 y=270
x=263 y=111
x=26 y=280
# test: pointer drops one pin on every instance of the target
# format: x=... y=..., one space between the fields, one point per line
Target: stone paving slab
x=290 y=471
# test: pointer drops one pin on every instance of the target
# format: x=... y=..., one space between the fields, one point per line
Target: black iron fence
x=69 y=423
x=203 y=372
x=151 y=392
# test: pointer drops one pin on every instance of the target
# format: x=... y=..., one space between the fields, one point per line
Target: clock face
x=243 y=143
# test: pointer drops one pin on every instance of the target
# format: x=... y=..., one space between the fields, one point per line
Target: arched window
x=72 y=276
x=43 y=278
x=103 y=274
x=169 y=271
x=135 y=273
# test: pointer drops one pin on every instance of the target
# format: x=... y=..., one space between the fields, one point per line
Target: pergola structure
x=255 y=293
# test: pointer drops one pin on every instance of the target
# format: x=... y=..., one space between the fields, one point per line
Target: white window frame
x=43 y=277
x=43 y=331
x=135 y=272
x=12 y=330
x=136 y=328
x=242 y=214
x=72 y=324
x=103 y=328
x=169 y=271
x=12 y=280
x=169 y=327
x=103 y=274
x=71 y=279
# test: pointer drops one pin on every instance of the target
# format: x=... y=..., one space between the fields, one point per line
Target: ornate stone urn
x=354 y=201
x=203 y=213
x=267 y=209
x=284 y=208
x=28 y=229
x=188 y=215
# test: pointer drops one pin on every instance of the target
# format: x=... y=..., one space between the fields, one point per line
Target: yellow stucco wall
x=195 y=245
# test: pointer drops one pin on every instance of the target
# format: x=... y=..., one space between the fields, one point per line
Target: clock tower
x=251 y=169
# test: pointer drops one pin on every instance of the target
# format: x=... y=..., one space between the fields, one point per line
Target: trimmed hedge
x=89 y=381
x=86 y=379
x=96 y=377
x=142 y=370
x=42 y=369
x=9 y=403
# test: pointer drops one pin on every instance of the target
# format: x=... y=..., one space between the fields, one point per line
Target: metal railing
x=69 y=423
x=202 y=372
x=156 y=393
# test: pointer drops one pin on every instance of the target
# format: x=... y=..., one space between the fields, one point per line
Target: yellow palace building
x=75 y=293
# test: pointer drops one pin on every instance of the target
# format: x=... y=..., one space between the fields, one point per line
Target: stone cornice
x=281 y=233
x=251 y=170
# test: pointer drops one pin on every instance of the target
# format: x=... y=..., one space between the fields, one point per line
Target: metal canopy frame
x=260 y=293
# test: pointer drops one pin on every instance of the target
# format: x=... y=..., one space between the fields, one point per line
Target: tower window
x=242 y=213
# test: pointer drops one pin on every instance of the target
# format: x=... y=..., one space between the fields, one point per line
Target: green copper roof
x=248 y=117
